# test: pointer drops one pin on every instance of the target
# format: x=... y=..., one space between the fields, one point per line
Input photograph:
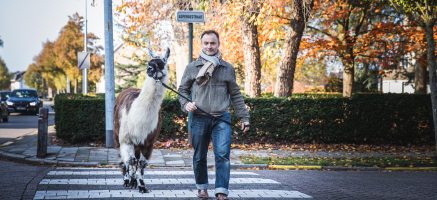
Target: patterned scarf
x=210 y=62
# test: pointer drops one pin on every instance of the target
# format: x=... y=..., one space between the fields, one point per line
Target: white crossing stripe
x=118 y=172
x=90 y=194
x=76 y=183
x=118 y=181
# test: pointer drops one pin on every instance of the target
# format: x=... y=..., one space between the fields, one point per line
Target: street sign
x=83 y=60
x=190 y=16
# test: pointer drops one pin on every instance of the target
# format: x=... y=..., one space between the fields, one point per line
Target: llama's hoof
x=143 y=164
x=133 y=183
x=126 y=183
x=143 y=189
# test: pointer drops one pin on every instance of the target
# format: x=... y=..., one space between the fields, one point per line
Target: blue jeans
x=203 y=129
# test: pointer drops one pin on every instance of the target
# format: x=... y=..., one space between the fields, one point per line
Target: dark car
x=24 y=101
x=4 y=112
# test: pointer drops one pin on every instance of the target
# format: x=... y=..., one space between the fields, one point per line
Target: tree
x=129 y=74
x=5 y=79
x=152 y=25
x=252 y=57
x=425 y=13
x=299 y=14
x=44 y=73
x=57 y=61
x=354 y=33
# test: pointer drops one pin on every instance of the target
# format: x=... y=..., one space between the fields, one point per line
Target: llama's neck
x=152 y=92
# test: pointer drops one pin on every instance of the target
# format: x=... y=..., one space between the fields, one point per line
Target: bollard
x=41 y=150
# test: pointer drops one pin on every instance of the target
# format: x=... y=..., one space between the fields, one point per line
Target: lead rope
x=188 y=99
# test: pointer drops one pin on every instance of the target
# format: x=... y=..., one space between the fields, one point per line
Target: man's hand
x=245 y=126
x=190 y=106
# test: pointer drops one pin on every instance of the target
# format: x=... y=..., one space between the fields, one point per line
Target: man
x=210 y=81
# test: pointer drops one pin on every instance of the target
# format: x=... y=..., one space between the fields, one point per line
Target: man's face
x=210 y=44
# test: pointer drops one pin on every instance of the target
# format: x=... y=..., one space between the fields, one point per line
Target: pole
x=85 y=70
x=190 y=59
x=109 y=75
x=190 y=42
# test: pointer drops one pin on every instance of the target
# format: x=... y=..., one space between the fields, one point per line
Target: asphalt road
x=19 y=181
x=359 y=184
x=21 y=124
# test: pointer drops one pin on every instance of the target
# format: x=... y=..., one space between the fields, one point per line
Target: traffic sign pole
x=190 y=42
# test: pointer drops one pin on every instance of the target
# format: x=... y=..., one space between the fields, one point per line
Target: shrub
x=304 y=118
x=79 y=118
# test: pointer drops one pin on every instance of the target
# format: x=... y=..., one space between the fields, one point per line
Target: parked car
x=4 y=112
x=24 y=101
x=4 y=95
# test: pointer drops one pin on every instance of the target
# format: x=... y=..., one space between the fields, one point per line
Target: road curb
x=35 y=160
x=410 y=168
x=295 y=167
x=340 y=168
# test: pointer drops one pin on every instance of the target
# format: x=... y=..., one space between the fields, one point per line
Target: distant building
x=17 y=82
x=394 y=81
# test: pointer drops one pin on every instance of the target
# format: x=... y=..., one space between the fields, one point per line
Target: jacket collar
x=198 y=63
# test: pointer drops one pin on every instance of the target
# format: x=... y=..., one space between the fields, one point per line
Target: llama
x=137 y=122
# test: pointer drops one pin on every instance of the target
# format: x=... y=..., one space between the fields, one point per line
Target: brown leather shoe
x=221 y=196
x=202 y=194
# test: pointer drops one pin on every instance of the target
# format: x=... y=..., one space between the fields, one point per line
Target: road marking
x=85 y=194
x=118 y=172
x=161 y=181
x=76 y=183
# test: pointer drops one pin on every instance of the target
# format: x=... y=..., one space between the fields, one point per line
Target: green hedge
x=304 y=118
x=79 y=118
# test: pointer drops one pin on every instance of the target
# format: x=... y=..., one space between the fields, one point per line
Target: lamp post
x=85 y=70
x=85 y=49
x=109 y=75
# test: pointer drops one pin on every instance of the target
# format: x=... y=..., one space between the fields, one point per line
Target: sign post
x=190 y=16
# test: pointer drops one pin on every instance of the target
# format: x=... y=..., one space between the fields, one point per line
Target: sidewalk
x=24 y=149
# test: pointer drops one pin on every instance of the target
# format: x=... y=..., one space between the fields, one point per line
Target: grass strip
x=345 y=162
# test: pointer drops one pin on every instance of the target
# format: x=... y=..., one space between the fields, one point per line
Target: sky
x=26 y=24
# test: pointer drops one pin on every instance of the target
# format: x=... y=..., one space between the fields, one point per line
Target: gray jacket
x=216 y=96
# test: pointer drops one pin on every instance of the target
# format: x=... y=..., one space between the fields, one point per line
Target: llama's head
x=157 y=67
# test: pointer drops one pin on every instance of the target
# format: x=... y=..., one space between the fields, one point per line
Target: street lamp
x=85 y=70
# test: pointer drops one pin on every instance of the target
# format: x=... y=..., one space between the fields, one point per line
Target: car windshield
x=24 y=93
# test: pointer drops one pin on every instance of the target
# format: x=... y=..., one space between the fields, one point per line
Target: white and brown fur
x=137 y=124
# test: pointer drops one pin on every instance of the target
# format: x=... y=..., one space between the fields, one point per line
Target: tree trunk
x=348 y=79
x=420 y=75
x=348 y=60
x=432 y=73
x=75 y=86
x=68 y=88
x=252 y=61
x=300 y=10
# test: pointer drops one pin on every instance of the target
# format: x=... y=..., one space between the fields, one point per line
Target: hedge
x=79 y=119
x=364 y=119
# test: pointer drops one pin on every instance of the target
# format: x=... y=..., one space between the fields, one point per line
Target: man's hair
x=207 y=32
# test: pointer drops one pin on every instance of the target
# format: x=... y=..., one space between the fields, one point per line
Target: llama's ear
x=166 y=55
x=152 y=54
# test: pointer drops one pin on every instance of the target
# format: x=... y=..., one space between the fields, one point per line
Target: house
x=395 y=81
x=17 y=82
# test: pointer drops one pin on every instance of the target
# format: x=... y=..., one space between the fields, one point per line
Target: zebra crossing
x=106 y=183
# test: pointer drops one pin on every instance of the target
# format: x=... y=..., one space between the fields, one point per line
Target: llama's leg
x=129 y=162
x=146 y=152
x=142 y=163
